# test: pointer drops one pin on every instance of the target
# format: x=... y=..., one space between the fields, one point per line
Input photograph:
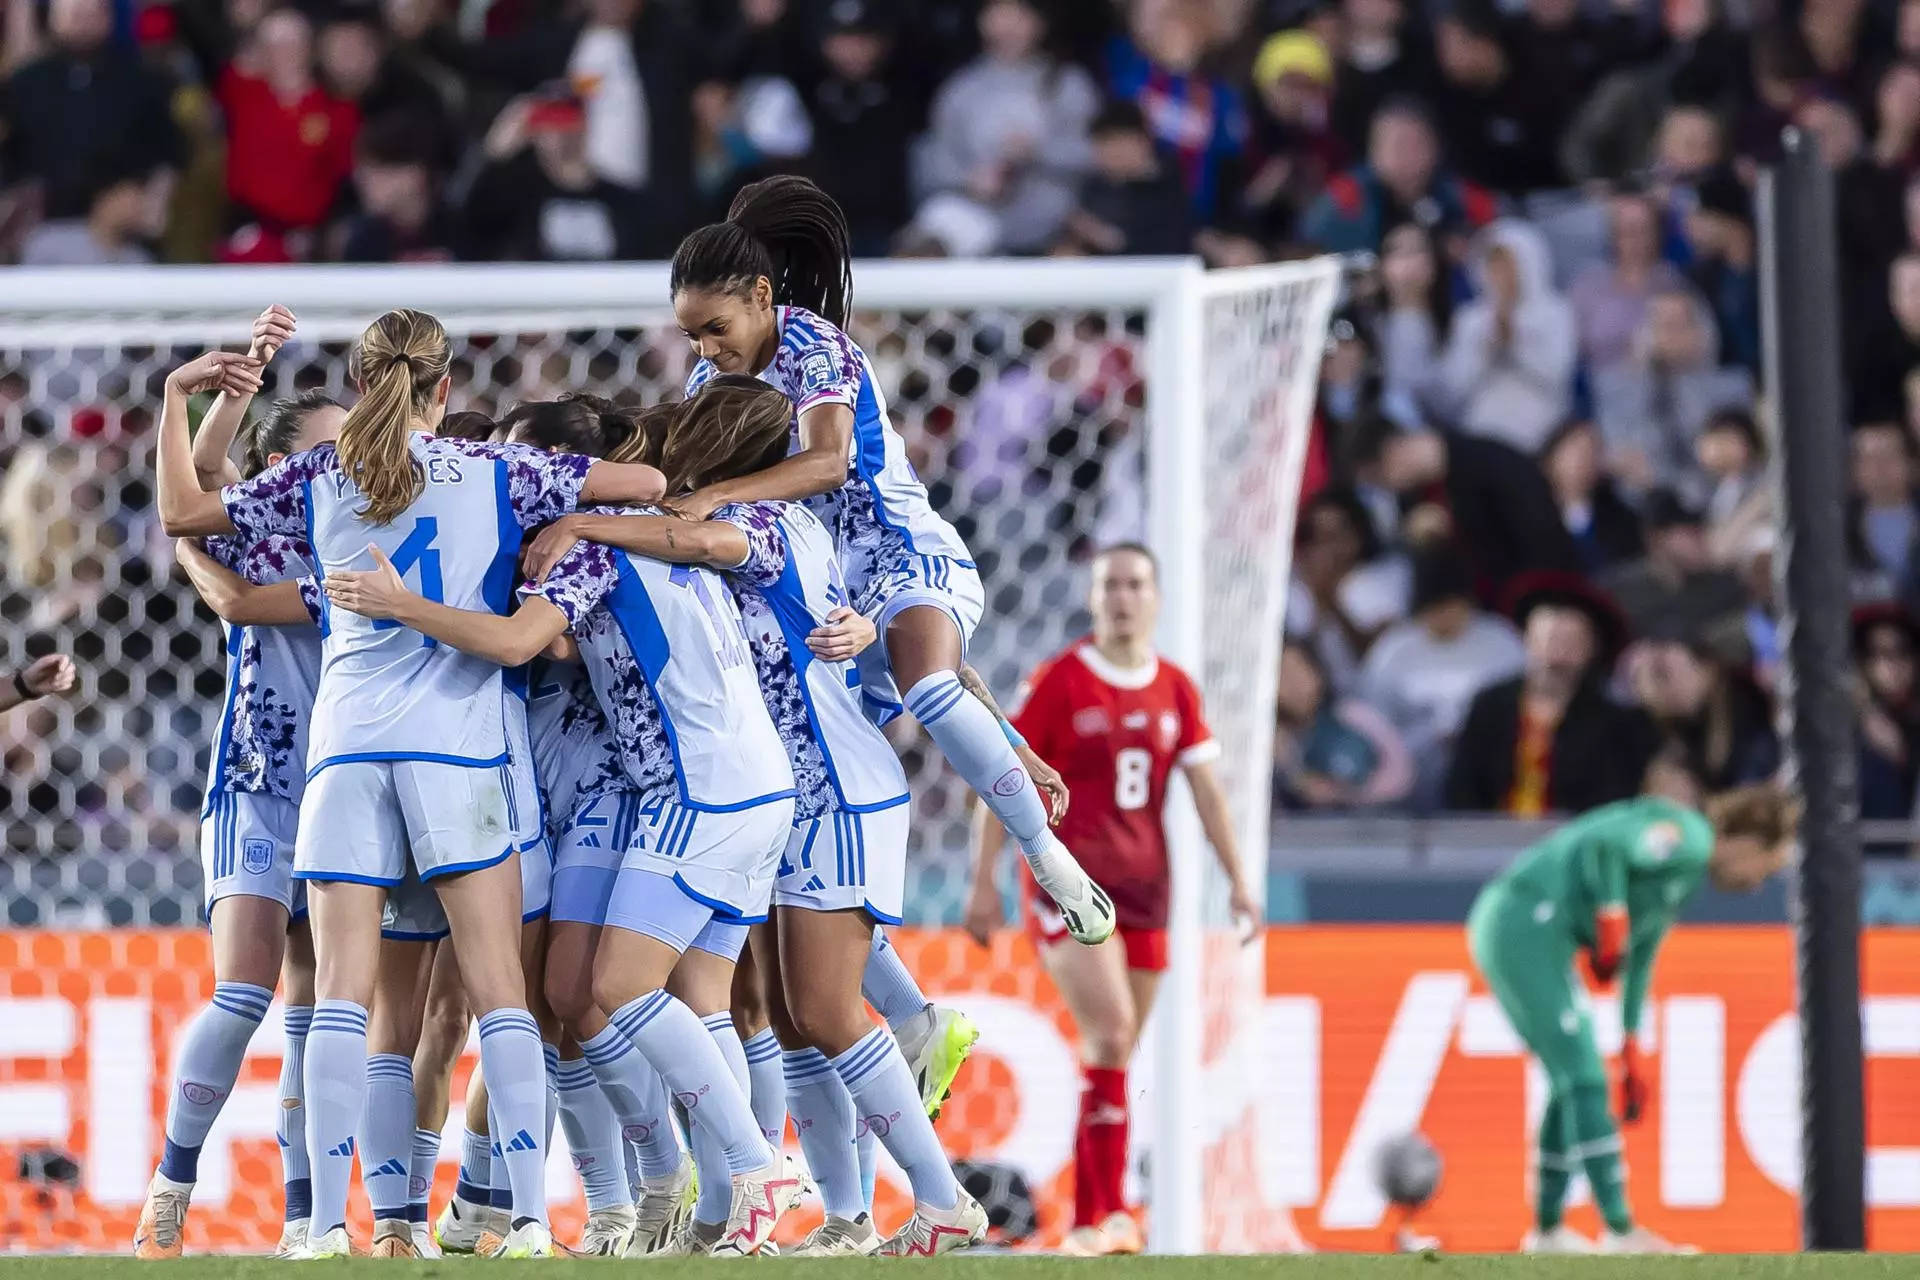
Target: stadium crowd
x=1535 y=541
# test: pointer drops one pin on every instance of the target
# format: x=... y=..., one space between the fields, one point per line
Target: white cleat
x=842 y=1238
x=529 y=1240
x=761 y=1197
x=1083 y=905
x=293 y=1236
x=1639 y=1240
x=461 y=1225
x=163 y=1219
x=1561 y=1240
x=607 y=1232
x=931 y=1232
x=665 y=1206
x=331 y=1244
x=423 y=1242
x=693 y=1239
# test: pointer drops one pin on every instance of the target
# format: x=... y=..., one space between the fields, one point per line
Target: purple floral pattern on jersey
x=574 y=754
x=766 y=541
x=274 y=502
x=582 y=579
x=541 y=486
x=260 y=747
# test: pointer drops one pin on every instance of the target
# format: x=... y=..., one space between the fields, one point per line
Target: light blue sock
x=593 y=1135
x=425 y=1163
x=887 y=1100
x=888 y=985
x=476 y=1167
x=767 y=1087
x=867 y=1148
x=823 y=1118
x=716 y=1196
x=977 y=748
x=500 y=1187
x=386 y=1135
x=291 y=1131
x=517 y=1094
x=550 y=1059
x=204 y=1069
x=336 y=1077
x=638 y=1097
x=696 y=1073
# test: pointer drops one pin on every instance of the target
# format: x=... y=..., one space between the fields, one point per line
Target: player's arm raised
x=213 y=443
x=510 y=641
x=233 y=599
x=1210 y=798
x=186 y=509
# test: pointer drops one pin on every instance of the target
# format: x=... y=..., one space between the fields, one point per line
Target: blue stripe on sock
x=937 y=701
x=803 y=1065
x=632 y=1019
x=470 y=1191
x=508 y=1020
x=417 y=1212
x=603 y=1049
x=763 y=1047
x=575 y=1075
x=717 y=1021
x=296 y=1018
x=860 y=1060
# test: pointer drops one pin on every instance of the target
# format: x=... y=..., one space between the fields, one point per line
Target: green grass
x=1028 y=1267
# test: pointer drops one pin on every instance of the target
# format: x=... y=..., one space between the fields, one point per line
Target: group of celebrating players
x=595 y=695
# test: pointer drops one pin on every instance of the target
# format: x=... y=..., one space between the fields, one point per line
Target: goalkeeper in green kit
x=1607 y=886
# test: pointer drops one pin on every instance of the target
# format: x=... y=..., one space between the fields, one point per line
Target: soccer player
x=256 y=911
x=407 y=741
x=844 y=867
x=668 y=657
x=1116 y=720
x=767 y=293
x=1606 y=887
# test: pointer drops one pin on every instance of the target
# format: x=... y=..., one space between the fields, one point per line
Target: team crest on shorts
x=256 y=856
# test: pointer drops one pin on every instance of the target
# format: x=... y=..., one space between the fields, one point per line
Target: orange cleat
x=163 y=1220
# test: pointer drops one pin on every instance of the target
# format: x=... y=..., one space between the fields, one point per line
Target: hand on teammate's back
x=548 y=548
x=846 y=633
x=372 y=593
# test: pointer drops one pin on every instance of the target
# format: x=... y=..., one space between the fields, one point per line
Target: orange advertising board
x=1366 y=1033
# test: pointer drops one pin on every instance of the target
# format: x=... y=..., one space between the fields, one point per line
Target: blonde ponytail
x=399 y=363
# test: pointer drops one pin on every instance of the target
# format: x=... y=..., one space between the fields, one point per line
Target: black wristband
x=20 y=686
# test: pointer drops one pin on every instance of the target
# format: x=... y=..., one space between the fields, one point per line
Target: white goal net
x=1050 y=406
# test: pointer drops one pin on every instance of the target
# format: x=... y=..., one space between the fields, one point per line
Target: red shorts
x=1146 y=948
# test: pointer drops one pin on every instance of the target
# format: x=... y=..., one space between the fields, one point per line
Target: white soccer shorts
x=246 y=850
x=951 y=586
x=370 y=821
x=587 y=855
x=726 y=860
x=414 y=913
x=526 y=809
x=841 y=861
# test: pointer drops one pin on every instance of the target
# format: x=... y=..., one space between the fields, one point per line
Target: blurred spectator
x=538 y=197
x=118 y=220
x=84 y=97
x=1753 y=560
x=1487 y=134
x=1733 y=458
x=1493 y=500
x=864 y=121
x=357 y=67
x=1883 y=518
x=1199 y=118
x=1712 y=712
x=1605 y=530
x=1294 y=147
x=1401 y=181
x=1652 y=406
x=1415 y=313
x=401 y=217
x=725 y=155
x=1010 y=130
x=1507 y=373
x=1422 y=674
x=1331 y=752
x=289 y=141
x=1560 y=51
x=1551 y=740
x=1889 y=351
x=1782 y=77
x=1346 y=587
x=1610 y=302
x=1351 y=387
x=1384 y=56
x=1885 y=641
x=1675 y=590
x=1689 y=146
x=1133 y=202
x=1720 y=238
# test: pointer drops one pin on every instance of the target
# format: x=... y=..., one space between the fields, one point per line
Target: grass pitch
x=1027 y=1267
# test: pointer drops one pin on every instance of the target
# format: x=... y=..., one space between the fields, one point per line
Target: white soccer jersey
x=668 y=655
x=790 y=581
x=573 y=749
x=881 y=515
x=387 y=692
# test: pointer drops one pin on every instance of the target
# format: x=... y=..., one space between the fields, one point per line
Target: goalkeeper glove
x=1633 y=1083
x=1609 y=946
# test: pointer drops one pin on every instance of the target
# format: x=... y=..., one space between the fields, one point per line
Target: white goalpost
x=1050 y=405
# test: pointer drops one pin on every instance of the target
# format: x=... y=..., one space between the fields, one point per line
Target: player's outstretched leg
x=936 y=1040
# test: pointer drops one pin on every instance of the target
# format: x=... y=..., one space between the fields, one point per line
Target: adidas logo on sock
x=281 y=1138
x=391 y=1167
x=523 y=1141
x=344 y=1149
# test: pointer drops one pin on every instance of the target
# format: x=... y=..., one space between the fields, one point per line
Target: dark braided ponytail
x=784 y=228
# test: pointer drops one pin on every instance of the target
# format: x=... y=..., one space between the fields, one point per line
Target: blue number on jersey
x=418 y=550
x=733 y=640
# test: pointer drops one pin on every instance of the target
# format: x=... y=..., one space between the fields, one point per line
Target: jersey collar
x=1117 y=676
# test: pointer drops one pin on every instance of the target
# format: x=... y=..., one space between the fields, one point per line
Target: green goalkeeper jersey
x=1646 y=856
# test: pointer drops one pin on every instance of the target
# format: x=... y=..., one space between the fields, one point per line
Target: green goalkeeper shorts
x=1526 y=954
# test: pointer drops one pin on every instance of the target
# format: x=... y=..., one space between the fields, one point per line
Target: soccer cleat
x=664 y=1207
x=1639 y=1240
x=1085 y=1242
x=931 y=1232
x=488 y=1245
x=936 y=1043
x=163 y=1219
x=761 y=1197
x=693 y=1239
x=423 y=1242
x=842 y=1238
x=528 y=1240
x=293 y=1237
x=607 y=1232
x=1122 y=1233
x=328 y=1245
x=461 y=1224
x=1560 y=1240
x=1084 y=905
x=393 y=1238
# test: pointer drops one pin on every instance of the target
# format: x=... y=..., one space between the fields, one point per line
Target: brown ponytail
x=650 y=429
x=733 y=426
x=398 y=363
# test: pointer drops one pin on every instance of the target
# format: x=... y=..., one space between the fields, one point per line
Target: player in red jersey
x=1115 y=719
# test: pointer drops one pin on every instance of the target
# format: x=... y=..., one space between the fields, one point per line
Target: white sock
x=593 y=1134
x=716 y=1195
x=296 y=1172
x=386 y=1135
x=517 y=1094
x=887 y=1100
x=767 y=1087
x=867 y=1148
x=977 y=748
x=425 y=1163
x=550 y=1059
x=336 y=1078
x=639 y=1099
x=476 y=1167
x=888 y=985
x=696 y=1072
x=204 y=1069
x=823 y=1119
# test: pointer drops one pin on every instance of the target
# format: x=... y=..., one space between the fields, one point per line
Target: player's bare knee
x=831 y=1026
x=569 y=995
x=1108 y=1047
